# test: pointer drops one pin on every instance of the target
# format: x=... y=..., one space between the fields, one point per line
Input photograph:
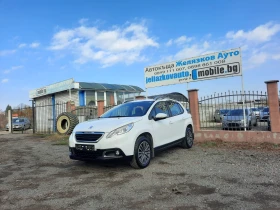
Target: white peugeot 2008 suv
x=133 y=130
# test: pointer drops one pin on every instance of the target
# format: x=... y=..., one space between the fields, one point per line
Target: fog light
x=117 y=152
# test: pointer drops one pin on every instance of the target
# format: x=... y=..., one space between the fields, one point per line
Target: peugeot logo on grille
x=90 y=127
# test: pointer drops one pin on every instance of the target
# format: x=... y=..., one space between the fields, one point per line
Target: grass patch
x=61 y=142
x=55 y=138
x=41 y=135
x=209 y=144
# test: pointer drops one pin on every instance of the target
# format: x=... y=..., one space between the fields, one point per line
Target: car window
x=129 y=109
x=175 y=108
x=152 y=114
x=160 y=107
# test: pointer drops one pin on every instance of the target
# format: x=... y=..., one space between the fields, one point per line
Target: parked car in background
x=264 y=114
x=219 y=114
x=268 y=124
x=256 y=111
x=133 y=130
x=234 y=119
x=21 y=123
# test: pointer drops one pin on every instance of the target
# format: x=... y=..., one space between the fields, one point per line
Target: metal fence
x=107 y=108
x=85 y=113
x=216 y=111
x=46 y=114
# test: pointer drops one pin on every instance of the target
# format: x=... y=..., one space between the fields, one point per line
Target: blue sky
x=43 y=42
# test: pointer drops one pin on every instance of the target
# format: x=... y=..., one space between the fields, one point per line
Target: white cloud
x=261 y=33
x=257 y=59
x=4 y=80
x=83 y=21
x=34 y=44
x=276 y=57
x=22 y=45
x=179 y=41
x=169 y=43
x=117 y=45
x=259 y=45
x=182 y=40
x=13 y=68
x=7 y=52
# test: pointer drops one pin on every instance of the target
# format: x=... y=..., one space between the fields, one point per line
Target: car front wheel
x=142 y=153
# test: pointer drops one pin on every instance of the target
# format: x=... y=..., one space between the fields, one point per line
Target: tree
x=7 y=109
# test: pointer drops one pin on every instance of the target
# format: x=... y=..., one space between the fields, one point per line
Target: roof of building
x=105 y=86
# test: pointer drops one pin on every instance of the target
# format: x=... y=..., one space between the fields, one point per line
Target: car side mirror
x=160 y=116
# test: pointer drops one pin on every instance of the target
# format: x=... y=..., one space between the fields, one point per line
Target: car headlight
x=121 y=130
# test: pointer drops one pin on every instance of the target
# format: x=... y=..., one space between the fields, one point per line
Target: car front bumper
x=125 y=143
x=106 y=154
x=236 y=124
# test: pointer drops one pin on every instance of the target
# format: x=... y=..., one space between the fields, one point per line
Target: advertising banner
x=211 y=66
x=53 y=88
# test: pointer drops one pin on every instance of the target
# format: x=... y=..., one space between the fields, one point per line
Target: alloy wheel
x=144 y=153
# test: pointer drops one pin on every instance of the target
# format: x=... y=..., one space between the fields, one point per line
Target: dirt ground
x=36 y=173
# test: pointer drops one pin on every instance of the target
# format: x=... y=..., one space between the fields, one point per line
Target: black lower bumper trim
x=107 y=154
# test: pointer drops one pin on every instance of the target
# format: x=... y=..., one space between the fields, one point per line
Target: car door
x=177 y=125
x=161 y=128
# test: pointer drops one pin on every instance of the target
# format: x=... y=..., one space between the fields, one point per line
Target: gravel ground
x=36 y=173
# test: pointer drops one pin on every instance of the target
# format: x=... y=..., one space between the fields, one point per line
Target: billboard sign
x=53 y=88
x=211 y=66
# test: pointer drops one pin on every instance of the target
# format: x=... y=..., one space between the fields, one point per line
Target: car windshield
x=224 y=111
x=18 y=120
x=237 y=112
x=266 y=110
x=130 y=109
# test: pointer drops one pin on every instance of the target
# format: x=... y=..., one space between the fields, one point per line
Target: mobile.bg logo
x=216 y=71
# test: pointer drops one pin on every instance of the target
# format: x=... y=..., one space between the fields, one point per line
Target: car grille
x=86 y=154
x=233 y=125
x=88 y=136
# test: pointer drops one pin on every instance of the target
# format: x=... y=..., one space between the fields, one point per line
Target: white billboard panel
x=53 y=88
x=211 y=66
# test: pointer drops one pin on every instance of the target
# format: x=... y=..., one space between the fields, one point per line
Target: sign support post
x=243 y=103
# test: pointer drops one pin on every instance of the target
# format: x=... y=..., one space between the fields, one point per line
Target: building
x=51 y=100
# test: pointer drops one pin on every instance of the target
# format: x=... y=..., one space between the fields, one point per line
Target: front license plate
x=84 y=147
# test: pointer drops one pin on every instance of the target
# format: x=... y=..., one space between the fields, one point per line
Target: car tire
x=187 y=143
x=256 y=123
x=215 y=119
x=66 y=122
x=142 y=153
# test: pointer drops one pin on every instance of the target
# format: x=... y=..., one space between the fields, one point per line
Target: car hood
x=234 y=118
x=105 y=124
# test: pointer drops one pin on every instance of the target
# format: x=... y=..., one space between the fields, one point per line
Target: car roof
x=164 y=99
